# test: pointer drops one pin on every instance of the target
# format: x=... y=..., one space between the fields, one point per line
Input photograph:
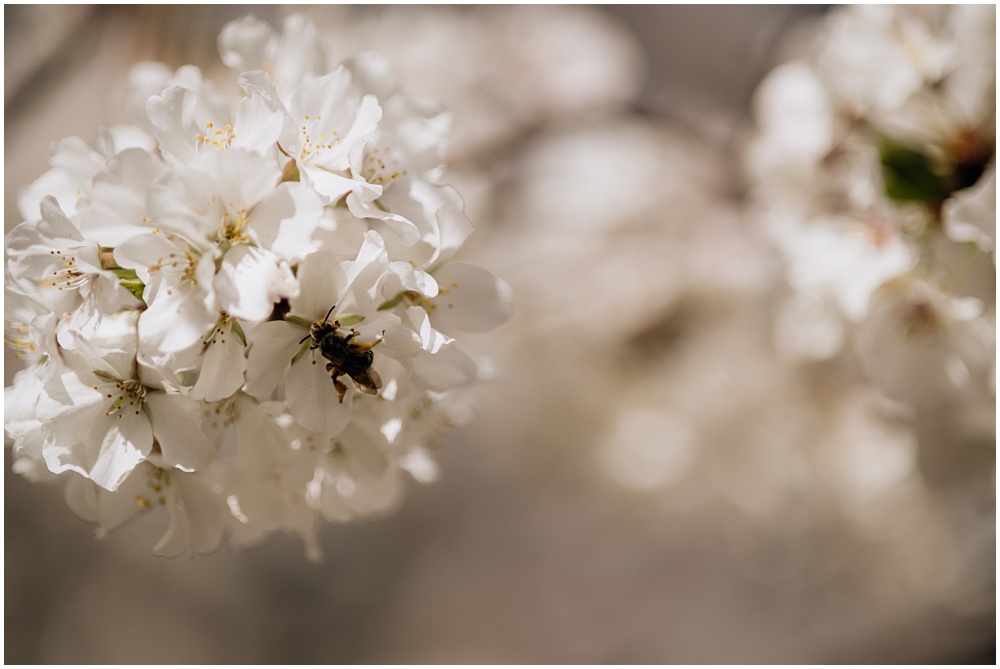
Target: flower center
x=920 y=319
x=220 y=138
x=315 y=146
x=224 y=414
x=379 y=167
x=185 y=263
x=15 y=337
x=970 y=152
x=235 y=228
x=68 y=275
x=218 y=333
x=157 y=481
x=131 y=397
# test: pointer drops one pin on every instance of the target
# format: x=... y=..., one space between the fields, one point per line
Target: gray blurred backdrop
x=542 y=542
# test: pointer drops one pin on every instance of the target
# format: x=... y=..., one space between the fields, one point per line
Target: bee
x=346 y=356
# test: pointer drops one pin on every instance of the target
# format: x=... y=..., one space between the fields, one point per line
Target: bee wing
x=368 y=382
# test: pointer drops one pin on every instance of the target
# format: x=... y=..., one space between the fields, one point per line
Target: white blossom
x=873 y=171
x=229 y=308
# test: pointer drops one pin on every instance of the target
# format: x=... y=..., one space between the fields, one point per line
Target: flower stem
x=107 y=256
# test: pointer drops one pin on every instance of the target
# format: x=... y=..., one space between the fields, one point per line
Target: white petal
x=349 y=492
x=249 y=282
x=364 y=275
x=143 y=251
x=176 y=318
x=68 y=392
x=126 y=443
x=176 y=424
x=471 y=298
x=110 y=348
x=970 y=216
x=399 y=341
x=197 y=518
x=104 y=448
x=171 y=115
x=430 y=339
x=284 y=221
x=272 y=346
x=182 y=111
x=331 y=186
x=312 y=398
x=113 y=509
x=55 y=183
x=258 y=124
x=117 y=204
x=81 y=497
x=448 y=368
x=298 y=54
x=242 y=178
x=361 y=204
x=420 y=465
x=454 y=228
x=337 y=110
x=64 y=433
x=223 y=368
x=404 y=276
x=322 y=280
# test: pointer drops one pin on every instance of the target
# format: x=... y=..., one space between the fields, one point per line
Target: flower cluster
x=244 y=310
x=874 y=171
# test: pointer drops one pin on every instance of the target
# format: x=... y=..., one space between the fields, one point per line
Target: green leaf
x=290 y=172
x=187 y=377
x=302 y=349
x=239 y=331
x=911 y=176
x=347 y=320
x=412 y=297
x=298 y=320
x=130 y=281
x=133 y=286
x=389 y=304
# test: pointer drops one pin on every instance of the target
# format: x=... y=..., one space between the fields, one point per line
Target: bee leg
x=362 y=346
x=341 y=388
x=339 y=385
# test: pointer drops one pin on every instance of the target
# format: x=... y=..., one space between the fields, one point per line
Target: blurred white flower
x=875 y=57
x=924 y=347
x=197 y=515
x=873 y=171
x=74 y=164
x=502 y=70
x=970 y=216
x=291 y=57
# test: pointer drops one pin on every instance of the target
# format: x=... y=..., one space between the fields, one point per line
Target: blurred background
x=646 y=480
